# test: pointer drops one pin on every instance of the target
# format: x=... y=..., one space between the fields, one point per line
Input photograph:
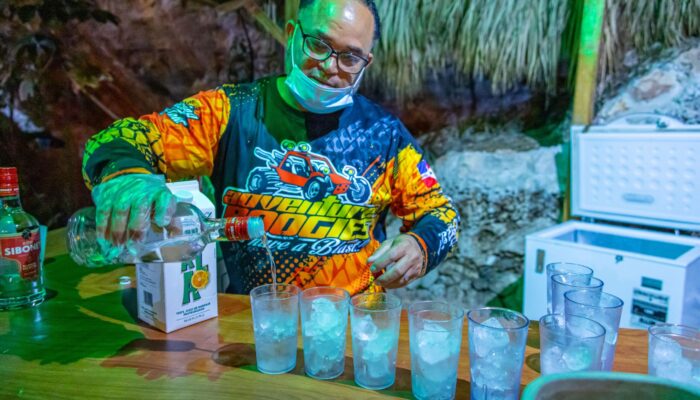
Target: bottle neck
x=10 y=202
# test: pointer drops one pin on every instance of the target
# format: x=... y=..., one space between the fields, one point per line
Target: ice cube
x=433 y=343
x=382 y=343
x=486 y=340
x=551 y=360
x=666 y=350
x=325 y=320
x=577 y=358
x=365 y=329
x=680 y=370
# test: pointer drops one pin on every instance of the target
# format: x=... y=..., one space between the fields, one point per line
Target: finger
x=117 y=224
x=139 y=221
x=394 y=274
x=385 y=246
x=102 y=215
x=164 y=208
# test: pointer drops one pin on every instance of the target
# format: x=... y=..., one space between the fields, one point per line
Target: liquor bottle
x=183 y=239
x=21 y=275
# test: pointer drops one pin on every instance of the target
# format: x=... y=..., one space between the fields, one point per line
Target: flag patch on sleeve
x=426 y=174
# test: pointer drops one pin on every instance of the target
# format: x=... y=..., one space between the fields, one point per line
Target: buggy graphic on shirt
x=299 y=173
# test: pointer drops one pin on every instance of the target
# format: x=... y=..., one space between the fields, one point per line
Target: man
x=320 y=164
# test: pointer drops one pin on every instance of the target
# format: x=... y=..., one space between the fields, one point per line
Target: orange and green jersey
x=323 y=194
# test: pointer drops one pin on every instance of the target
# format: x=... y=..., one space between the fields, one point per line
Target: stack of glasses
x=496 y=340
x=580 y=332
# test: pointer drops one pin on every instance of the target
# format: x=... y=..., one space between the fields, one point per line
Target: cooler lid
x=640 y=168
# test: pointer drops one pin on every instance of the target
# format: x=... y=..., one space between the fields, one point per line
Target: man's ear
x=370 y=58
x=289 y=28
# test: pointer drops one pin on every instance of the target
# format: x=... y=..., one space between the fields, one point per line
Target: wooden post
x=587 y=64
x=586 y=76
x=291 y=10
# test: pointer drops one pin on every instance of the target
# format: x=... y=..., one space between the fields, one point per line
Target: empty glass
x=562 y=283
x=497 y=339
x=674 y=353
x=601 y=307
x=275 y=320
x=435 y=333
x=375 y=319
x=324 y=321
x=563 y=268
x=569 y=344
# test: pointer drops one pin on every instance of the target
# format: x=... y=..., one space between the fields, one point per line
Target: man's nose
x=330 y=65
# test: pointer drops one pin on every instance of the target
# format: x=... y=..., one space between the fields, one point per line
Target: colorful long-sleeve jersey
x=323 y=201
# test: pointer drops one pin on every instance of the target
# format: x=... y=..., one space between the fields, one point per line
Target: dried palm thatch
x=514 y=41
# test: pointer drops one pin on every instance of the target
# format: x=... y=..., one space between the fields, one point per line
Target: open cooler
x=641 y=170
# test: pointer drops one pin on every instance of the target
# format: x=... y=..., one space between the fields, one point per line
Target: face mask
x=316 y=97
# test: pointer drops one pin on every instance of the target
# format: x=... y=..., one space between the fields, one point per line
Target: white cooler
x=641 y=170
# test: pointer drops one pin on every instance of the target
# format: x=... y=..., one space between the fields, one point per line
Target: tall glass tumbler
x=497 y=338
x=435 y=335
x=603 y=308
x=563 y=283
x=375 y=320
x=324 y=322
x=674 y=353
x=563 y=268
x=275 y=320
x=570 y=344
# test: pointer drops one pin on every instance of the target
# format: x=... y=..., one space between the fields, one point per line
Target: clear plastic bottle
x=186 y=236
x=21 y=275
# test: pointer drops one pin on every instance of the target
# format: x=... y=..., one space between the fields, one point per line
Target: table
x=85 y=341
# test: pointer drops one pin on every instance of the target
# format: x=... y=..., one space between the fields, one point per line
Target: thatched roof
x=514 y=41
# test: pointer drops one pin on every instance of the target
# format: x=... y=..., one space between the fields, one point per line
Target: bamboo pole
x=586 y=77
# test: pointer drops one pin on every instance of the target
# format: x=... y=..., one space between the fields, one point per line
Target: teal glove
x=127 y=204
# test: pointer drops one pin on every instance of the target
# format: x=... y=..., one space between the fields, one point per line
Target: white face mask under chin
x=316 y=97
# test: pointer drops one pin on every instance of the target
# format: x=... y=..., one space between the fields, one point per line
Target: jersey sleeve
x=180 y=142
x=418 y=199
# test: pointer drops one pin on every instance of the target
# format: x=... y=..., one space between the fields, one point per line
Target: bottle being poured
x=183 y=239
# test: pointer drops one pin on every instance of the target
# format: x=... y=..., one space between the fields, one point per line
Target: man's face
x=346 y=25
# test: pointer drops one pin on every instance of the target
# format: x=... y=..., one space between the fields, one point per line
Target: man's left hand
x=402 y=258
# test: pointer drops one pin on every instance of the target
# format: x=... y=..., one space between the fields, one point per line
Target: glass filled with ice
x=563 y=283
x=435 y=334
x=570 y=343
x=324 y=322
x=275 y=320
x=603 y=308
x=375 y=320
x=564 y=268
x=674 y=353
x=497 y=338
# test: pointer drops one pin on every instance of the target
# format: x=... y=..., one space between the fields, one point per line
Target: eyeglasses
x=319 y=50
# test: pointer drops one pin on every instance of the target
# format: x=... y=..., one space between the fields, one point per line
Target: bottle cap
x=9 y=184
x=183 y=196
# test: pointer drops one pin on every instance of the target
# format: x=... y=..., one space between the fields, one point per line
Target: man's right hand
x=126 y=204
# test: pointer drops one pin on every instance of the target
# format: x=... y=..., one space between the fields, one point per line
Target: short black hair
x=372 y=8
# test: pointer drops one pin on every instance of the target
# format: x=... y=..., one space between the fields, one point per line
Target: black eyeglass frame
x=305 y=48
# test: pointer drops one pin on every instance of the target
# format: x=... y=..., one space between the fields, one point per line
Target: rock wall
x=505 y=187
x=669 y=86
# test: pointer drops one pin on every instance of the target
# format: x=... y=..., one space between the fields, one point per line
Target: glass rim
x=684 y=328
x=260 y=291
x=570 y=293
x=555 y=279
x=307 y=294
x=566 y=334
x=506 y=310
x=450 y=307
x=569 y=263
x=388 y=299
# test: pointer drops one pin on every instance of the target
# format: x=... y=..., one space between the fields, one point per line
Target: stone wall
x=505 y=187
x=669 y=86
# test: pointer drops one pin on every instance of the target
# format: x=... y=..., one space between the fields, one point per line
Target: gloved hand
x=126 y=204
